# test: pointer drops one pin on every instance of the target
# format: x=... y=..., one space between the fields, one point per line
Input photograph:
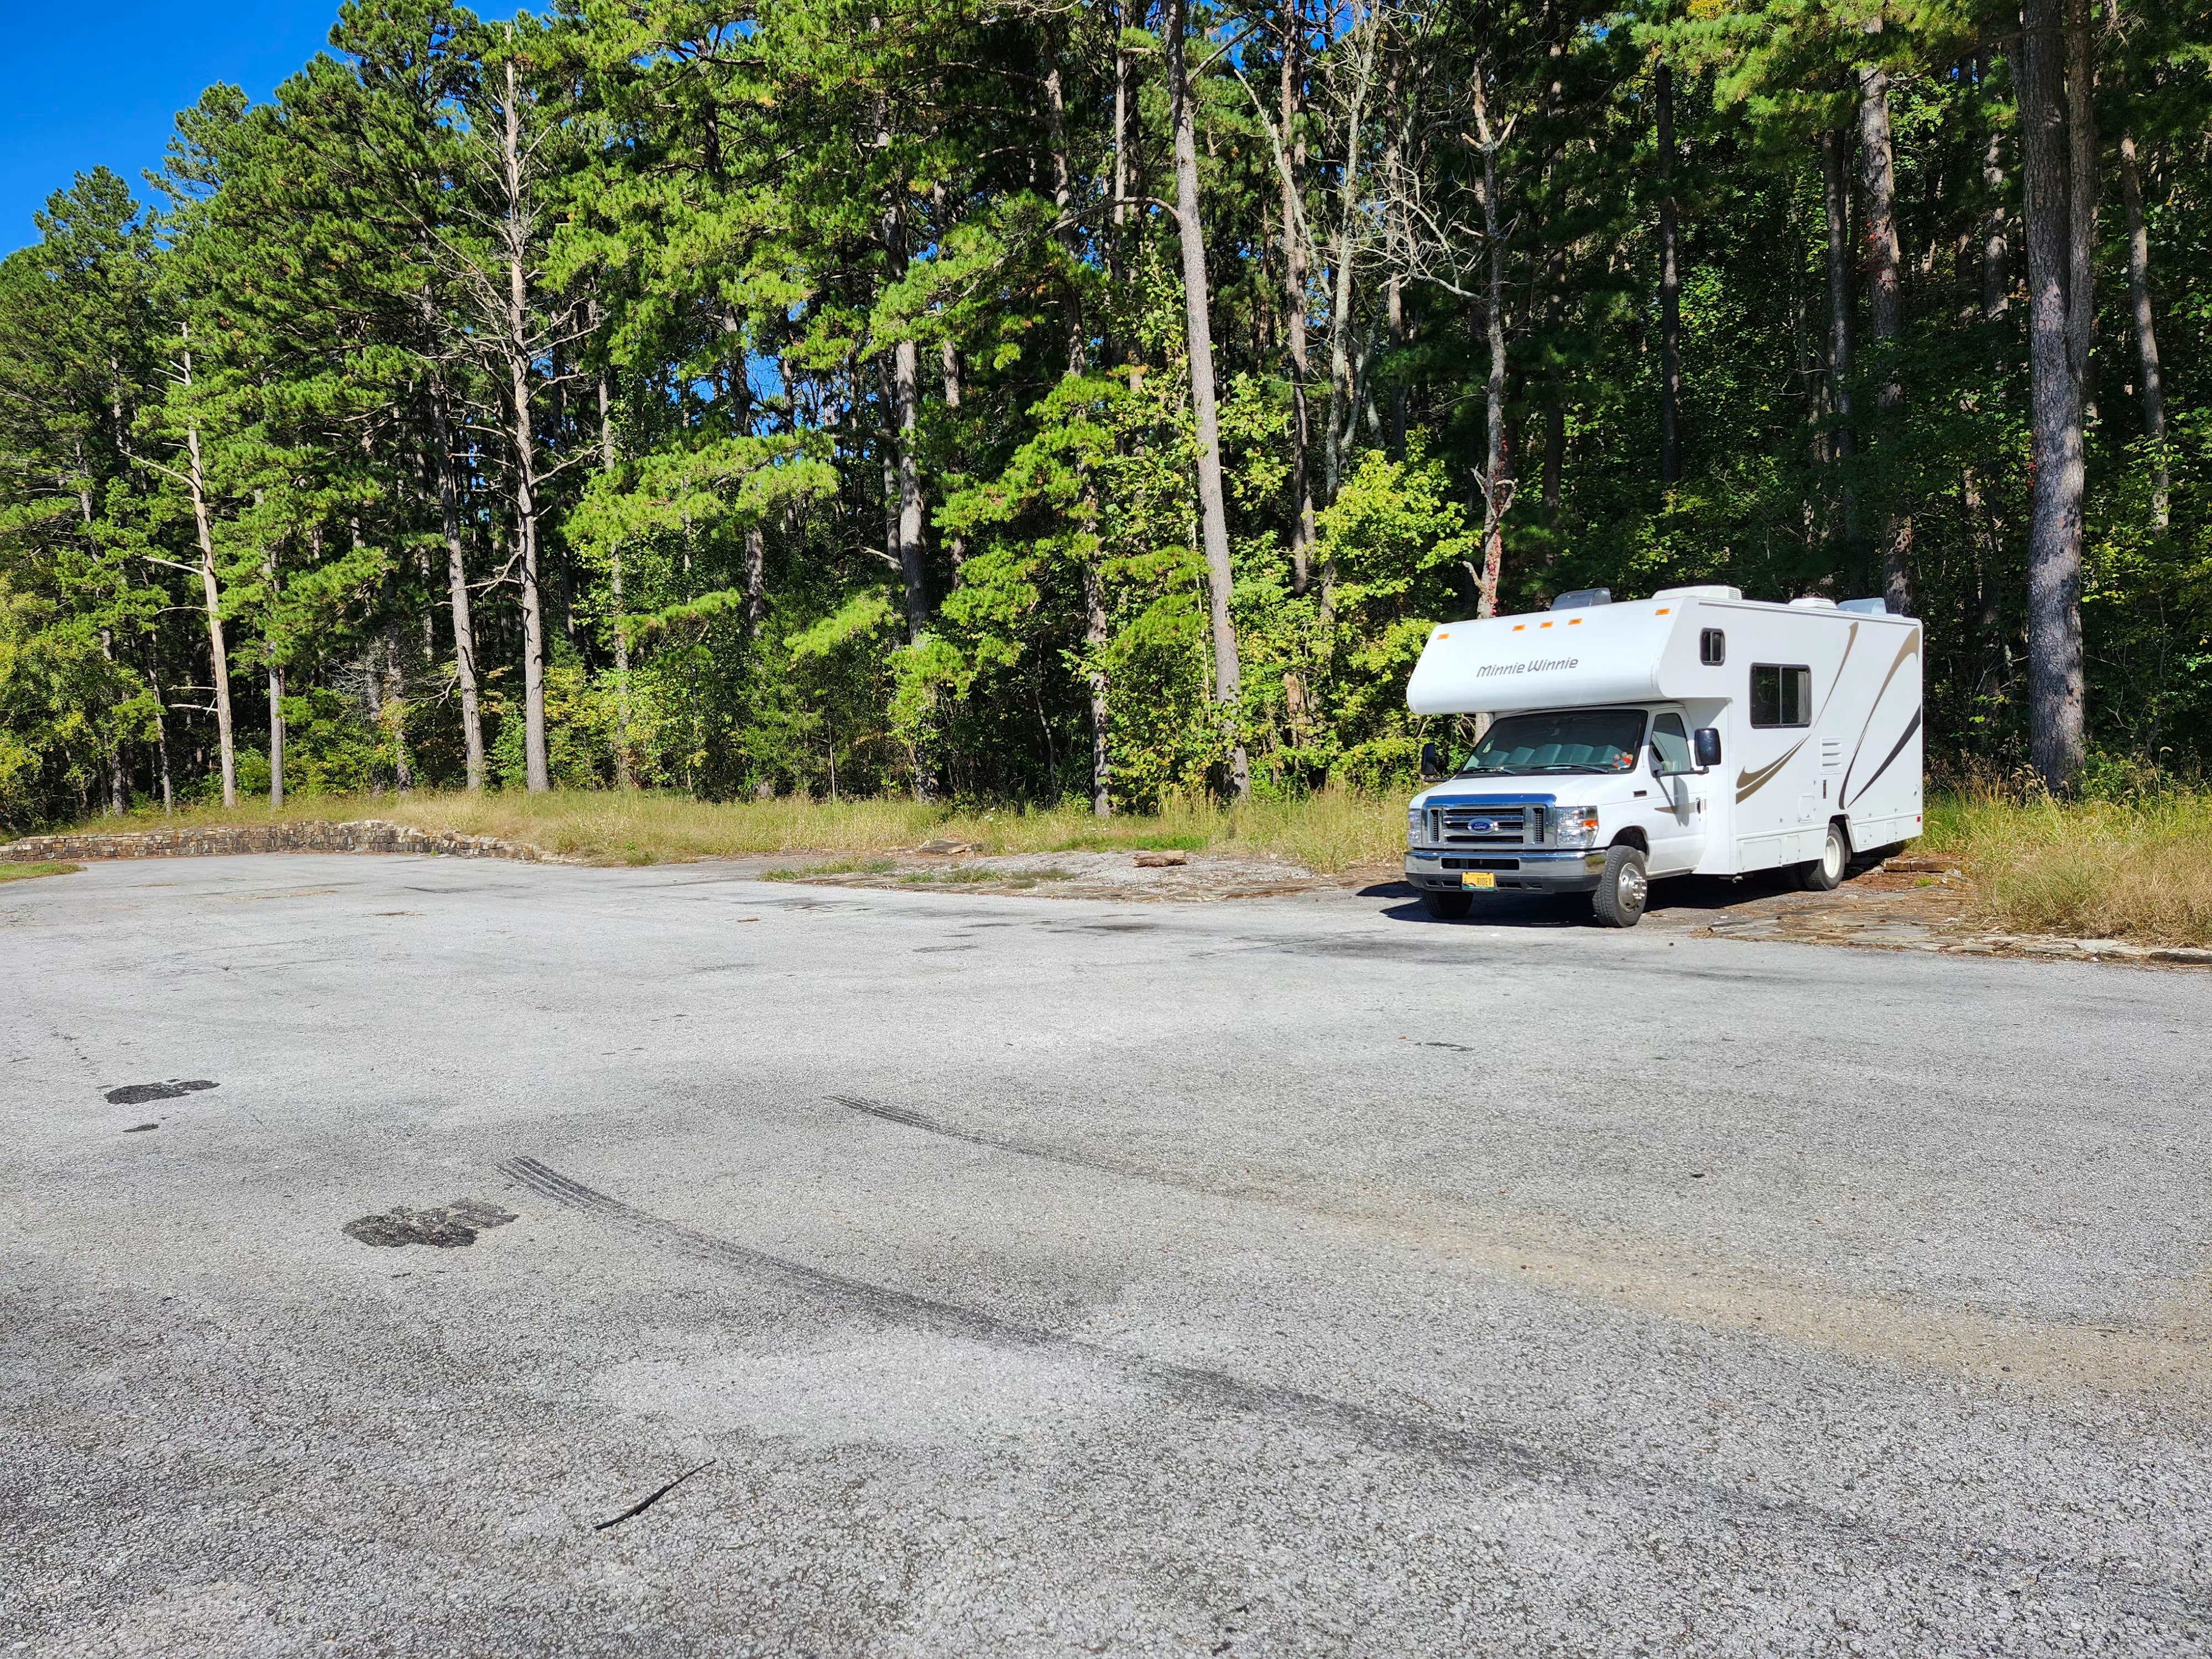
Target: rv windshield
x=1568 y=740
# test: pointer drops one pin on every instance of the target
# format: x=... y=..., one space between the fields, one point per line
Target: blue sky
x=84 y=84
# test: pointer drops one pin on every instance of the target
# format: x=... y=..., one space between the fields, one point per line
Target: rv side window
x=1781 y=694
x=1712 y=648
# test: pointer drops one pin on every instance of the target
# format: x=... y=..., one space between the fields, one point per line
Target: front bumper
x=1516 y=869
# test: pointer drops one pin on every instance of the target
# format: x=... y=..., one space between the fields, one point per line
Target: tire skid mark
x=2167 y=1358
x=1688 y=1498
x=896 y=1306
x=907 y=1118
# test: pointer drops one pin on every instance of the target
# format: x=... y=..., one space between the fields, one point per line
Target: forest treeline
x=1032 y=400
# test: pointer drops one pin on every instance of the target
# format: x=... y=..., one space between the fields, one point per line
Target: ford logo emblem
x=1480 y=825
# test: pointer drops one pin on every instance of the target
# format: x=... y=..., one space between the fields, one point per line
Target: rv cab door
x=1676 y=823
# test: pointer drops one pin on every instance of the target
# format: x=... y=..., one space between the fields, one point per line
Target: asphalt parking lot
x=1019 y=1276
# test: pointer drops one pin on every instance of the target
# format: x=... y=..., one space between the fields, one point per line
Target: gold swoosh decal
x=1911 y=647
x=1748 y=784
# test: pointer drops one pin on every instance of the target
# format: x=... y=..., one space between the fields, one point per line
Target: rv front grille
x=1485 y=826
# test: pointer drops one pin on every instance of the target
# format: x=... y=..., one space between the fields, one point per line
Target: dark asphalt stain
x=1683 y=1502
x=138 y=1094
x=1457 y=1048
x=926 y=950
x=444 y=1228
x=141 y=1128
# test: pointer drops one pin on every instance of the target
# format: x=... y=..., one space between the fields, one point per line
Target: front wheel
x=1826 y=873
x=1622 y=890
x=1448 y=907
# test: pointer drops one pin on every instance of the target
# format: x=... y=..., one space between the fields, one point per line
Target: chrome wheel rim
x=1631 y=887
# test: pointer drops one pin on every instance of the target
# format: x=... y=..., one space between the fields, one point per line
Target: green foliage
x=355 y=347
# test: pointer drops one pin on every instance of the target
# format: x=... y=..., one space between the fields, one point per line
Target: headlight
x=1413 y=815
x=1577 y=826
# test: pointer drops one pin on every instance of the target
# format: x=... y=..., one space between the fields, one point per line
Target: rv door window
x=1565 y=740
x=1780 y=694
x=1670 y=746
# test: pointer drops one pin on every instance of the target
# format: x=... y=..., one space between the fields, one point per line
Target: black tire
x=1447 y=907
x=1826 y=873
x=1623 y=891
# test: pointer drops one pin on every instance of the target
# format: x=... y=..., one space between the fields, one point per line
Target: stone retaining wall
x=359 y=836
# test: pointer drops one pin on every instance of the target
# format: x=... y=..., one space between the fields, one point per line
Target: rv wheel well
x=1633 y=837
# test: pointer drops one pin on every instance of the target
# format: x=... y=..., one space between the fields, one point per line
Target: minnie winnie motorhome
x=1695 y=732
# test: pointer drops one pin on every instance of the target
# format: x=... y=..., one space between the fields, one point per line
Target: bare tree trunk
x=395 y=713
x=1997 y=252
x=2150 y=387
x=2056 y=691
x=161 y=737
x=211 y=599
x=1228 y=678
x=956 y=546
x=1095 y=621
x=1295 y=267
x=118 y=777
x=1885 y=308
x=1496 y=480
x=515 y=233
x=1343 y=408
x=1670 y=292
x=1114 y=248
x=275 y=732
x=623 y=777
x=2081 y=177
x=1995 y=284
x=1095 y=638
x=756 y=580
x=1836 y=193
x=1555 y=402
x=905 y=400
x=1395 y=233
x=457 y=588
x=275 y=692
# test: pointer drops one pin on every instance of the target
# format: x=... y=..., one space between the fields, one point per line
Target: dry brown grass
x=1328 y=832
x=2139 y=869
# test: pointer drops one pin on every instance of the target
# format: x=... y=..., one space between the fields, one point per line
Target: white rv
x=1695 y=732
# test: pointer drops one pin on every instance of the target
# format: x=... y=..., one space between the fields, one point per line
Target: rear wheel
x=1448 y=907
x=1622 y=890
x=1826 y=873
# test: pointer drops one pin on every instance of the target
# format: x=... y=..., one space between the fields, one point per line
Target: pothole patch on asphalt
x=444 y=1228
x=138 y=1094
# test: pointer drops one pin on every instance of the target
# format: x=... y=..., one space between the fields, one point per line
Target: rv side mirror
x=1708 y=741
x=1432 y=761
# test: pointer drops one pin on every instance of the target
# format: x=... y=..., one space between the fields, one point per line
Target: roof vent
x=1706 y=591
x=1811 y=602
x=1866 y=607
x=1583 y=597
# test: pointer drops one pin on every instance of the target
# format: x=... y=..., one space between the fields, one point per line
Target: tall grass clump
x=2130 y=858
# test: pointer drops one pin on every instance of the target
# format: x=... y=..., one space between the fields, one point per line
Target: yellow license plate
x=1478 y=878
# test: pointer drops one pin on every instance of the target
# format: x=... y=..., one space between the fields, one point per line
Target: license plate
x=1478 y=878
